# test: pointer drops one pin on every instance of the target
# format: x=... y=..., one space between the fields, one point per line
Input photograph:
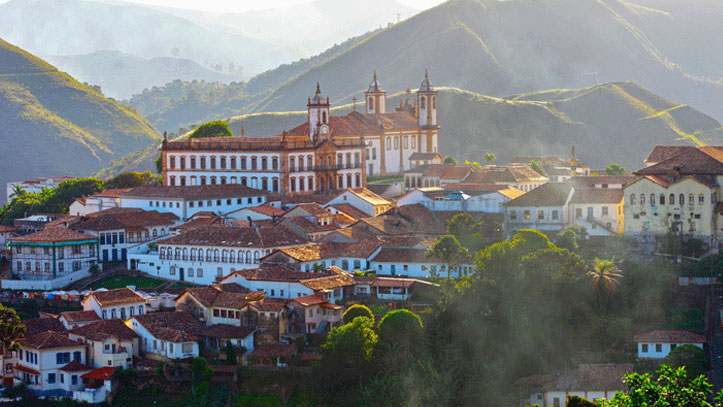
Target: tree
x=672 y=388
x=467 y=231
x=535 y=165
x=401 y=328
x=604 y=278
x=448 y=250
x=567 y=239
x=200 y=373
x=528 y=241
x=615 y=169
x=68 y=191
x=357 y=310
x=218 y=128
x=231 y=354
x=159 y=164
x=450 y=160
x=11 y=328
x=347 y=354
x=18 y=191
x=576 y=401
x=128 y=180
x=689 y=356
x=489 y=157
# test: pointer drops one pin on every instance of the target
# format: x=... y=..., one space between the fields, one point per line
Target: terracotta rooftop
x=107 y=328
x=226 y=331
x=237 y=237
x=309 y=300
x=53 y=235
x=115 y=296
x=670 y=336
x=192 y=192
x=48 y=340
x=222 y=296
x=80 y=316
x=275 y=273
x=104 y=373
x=39 y=325
x=402 y=255
x=305 y=225
x=76 y=366
x=268 y=350
x=597 y=196
x=369 y=196
x=550 y=194
x=406 y=220
x=706 y=160
x=171 y=326
x=662 y=153
x=349 y=210
x=329 y=282
x=111 y=193
x=126 y=220
x=600 y=377
x=417 y=156
x=319 y=251
x=7 y=229
x=198 y=221
x=268 y=210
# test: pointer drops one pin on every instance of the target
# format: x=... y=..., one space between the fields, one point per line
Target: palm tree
x=604 y=277
x=18 y=191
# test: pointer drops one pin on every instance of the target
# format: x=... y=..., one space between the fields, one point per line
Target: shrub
x=357 y=310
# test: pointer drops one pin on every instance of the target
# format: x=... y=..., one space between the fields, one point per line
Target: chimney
x=243 y=131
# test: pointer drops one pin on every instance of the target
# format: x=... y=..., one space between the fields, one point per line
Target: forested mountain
x=51 y=125
x=612 y=122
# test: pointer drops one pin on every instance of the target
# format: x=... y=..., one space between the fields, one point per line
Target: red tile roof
x=7 y=229
x=80 y=316
x=275 y=273
x=670 y=336
x=268 y=210
x=597 y=196
x=26 y=369
x=192 y=192
x=662 y=153
x=126 y=220
x=268 y=350
x=116 y=296
x=312 y=208
x=238 y=237
x=48 y=340
x=103 y=329
x=402 y=255
x=39 y=325
x=309 y=300
x=701 y=160
x=226 y=331
x=104 y=373
x=321 y=251
x=550 y=194
x=349 y=210
x=171 y=326
x=76 y=366
x=53 y=235
x=216 y=296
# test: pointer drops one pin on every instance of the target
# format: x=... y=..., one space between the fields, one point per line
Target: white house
x=167 y=335
x=119 y=228
x=255 y=213
x=598 y=210
x=34 y=185
x=313 y=314
x=51 y=258
x=120 y=303
x=659 y=343
x=592 y=382
x=185 y=201
x=205 y=254
x=347 y=256
x=364 y=200
x=110 y=343
x=51 y=363
x=412 y=262
x=442 y=199
x=544 y=208
x=6 y=232
x=95 y=203
x=76 y=319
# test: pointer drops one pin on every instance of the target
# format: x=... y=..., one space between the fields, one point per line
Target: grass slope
x=613 y=122
x=52 y=125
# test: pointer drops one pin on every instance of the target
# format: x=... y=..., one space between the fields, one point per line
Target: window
x=681 y=199
x=423 y=102
x=662 y=199
x=243 y=163
x=172 y=163
x=193 y=163
x=253 y=163
x=701 y=199
x=658 y=347
x=605 y=209
x=513 y=214
x=62 y=358
x=555 y=215
x=632 y=199
x=77 y=355
x=691 y=199
x=652 y=199
x=223 y=162
x=389 y=143
x=578 y=213
x=51 y=378
x=199 y=273
x=396 y=142
x=213 y=163
x=642 y=199
x=671 y=199
x=526 y=214
x=74 y=379
x=203 y=164
x=541 y=214
x=187 y=347
x=673 y=346
x=406 y=141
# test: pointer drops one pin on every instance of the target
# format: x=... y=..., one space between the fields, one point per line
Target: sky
x=243 y=5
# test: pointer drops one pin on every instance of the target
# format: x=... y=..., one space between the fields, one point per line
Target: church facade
x=326 y=153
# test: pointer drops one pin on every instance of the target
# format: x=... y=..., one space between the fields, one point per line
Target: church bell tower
x=318 y=115
x=426 y=103
x=376 y=97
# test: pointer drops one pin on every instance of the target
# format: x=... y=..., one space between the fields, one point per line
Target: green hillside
x=613 y=122
x=52 y=125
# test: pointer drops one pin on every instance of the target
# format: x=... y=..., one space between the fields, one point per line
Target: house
x=120 y=303
x=678 y=194
x=186 y=201
x=312 y=314
x=119 y=228
x=364 y=200
x=225 y=303
x=36 y=326
x=659 y=343
x=589 y=381
x=6 y=232
x=346 y=209
x=167 y=335
x=199 y=219
x=37 y=222
x=467 y=199
x=412 y=262
x=598 y=210
x=257 y=213
x=394 y=289
x=99 y=385
x=109 y=343
x=51 y=363
x=96 y=203
x=521 y=177
x=76 y=319
x=347 y=256
x=304 y=228
x=435 y=175
x=206 y=254
x=418 y=159
x=311 y=211
x=544 y=208
x=51 y=258
x=562 y=168
x=280 y=282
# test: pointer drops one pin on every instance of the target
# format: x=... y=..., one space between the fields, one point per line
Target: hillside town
x=251 y=251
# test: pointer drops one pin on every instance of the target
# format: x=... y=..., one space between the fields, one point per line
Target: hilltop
x=612 y=122
x=53 y=125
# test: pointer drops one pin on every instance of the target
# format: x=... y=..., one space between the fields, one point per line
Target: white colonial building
x=120 y=303
x=467 y=200
x=659 y=343
x=544 y=208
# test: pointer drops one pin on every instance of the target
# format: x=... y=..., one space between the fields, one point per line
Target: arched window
x=209 y=255
x=216 y=255
x=256 y=257
x=662 y=199
x=292 y=163
x=224 y=256
x=632 y=196
x=652 y=199
x=275 y=185
x=310 y=183
x=434 y=102
x=681 y=199
x=193 y=254
x=642 y=199
x=691 y=199
x=185 y=254
x=163 y=232
x=177 y=253
x=671 y=199
x=223 y=163
x=371 y=103
x=162 y=253
x=264 y=163
x=248 y=257
x=423 y=102
x=232 y=256
x=701 y=199
x=323 y=117
x=155 y=233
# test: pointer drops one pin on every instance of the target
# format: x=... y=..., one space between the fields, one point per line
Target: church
x=326 y=153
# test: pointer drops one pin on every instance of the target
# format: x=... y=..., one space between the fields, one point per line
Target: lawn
x=122 y=280
x=384 y=180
